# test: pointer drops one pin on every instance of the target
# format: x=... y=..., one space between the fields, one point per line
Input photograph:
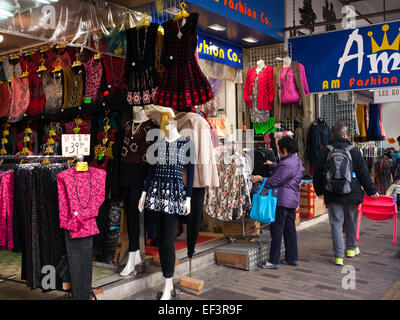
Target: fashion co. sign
x=354 y=59
x=264 y=16
x=219 y=51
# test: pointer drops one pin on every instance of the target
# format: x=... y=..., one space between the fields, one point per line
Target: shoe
x=291 y=263
x=264 y=266
x=337 y=261
x=352 y=253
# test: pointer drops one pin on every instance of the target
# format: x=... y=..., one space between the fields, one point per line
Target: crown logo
x=385 y=43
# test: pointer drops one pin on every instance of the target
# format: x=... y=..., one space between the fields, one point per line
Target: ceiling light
x=43 y=1
x=213 y=47
x=371 y=90
x=250 y=39
x=217 y=27
x=5 y=13
x=172 y=10
x=1 y=38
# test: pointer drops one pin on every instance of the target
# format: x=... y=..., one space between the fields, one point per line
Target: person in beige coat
x=196 y=128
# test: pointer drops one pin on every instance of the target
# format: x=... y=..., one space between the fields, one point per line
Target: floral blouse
x=231 y=200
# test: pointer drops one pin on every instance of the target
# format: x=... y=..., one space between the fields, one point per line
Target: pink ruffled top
x=77 y=214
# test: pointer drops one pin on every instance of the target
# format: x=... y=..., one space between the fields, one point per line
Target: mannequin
x=139 y=115
x=134 y=257
x=260 y=66
x=171 y=137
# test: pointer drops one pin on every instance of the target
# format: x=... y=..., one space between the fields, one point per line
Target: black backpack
x=339 y=170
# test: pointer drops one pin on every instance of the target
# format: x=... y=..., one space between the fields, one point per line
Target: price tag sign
x=75 y=144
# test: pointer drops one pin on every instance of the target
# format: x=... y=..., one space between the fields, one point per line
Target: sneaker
x=291 y=263
x=337 y=261
x=352 y=253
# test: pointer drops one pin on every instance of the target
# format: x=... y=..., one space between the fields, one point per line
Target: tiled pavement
x=377 y=272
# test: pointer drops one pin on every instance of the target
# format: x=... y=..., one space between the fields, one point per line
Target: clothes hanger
x=26 y=73
x=42 y=67
x=81 y=166
x=183 y=13
x=144 y=22
x=58 y=68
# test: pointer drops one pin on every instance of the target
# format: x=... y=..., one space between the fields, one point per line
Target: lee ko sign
x=353 y=59
x=383 y=95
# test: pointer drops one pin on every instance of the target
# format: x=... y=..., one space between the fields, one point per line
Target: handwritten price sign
x=75 y=144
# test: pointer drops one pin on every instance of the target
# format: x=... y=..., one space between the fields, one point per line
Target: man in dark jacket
x=342 y=208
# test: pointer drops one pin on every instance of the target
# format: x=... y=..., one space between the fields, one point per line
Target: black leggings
x=193 y=220
x=131 y=202
x=166 y=229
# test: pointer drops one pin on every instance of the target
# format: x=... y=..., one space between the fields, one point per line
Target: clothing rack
x=11 y=278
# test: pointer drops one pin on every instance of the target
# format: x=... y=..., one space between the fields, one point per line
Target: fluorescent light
x=371 y=90
x=217 y=27
x=250 y=39
x=43 y=1
x=5 y=13
x=172 y=10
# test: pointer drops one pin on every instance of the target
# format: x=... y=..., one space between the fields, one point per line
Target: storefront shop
x=90 y=80
x=356 y=83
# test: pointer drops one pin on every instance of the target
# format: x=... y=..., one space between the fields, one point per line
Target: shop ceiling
x=234 y=32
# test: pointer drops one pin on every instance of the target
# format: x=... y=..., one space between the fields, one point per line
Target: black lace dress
x=140 y=65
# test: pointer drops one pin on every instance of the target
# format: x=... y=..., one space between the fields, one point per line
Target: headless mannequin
x=134 y=257
x=260 y=66
x=172 y=135
x=287 y=62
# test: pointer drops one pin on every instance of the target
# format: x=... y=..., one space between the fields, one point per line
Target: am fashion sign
x=353 y=59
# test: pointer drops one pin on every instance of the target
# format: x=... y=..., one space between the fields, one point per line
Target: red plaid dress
x=184 y=85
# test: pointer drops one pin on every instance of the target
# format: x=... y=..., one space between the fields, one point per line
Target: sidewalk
x=377 y=271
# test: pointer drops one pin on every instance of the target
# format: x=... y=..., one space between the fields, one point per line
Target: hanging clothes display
x=20 y=96
x=51 y=138
x=375 y=130
x=300 y=138
x=361 y=115
x=12 y=68
x=184 y=85
x=37 y=96
x=5 y=95
x=93 y=83
x=114 y=95
x=54 y=90
x=6 y=209
x=259 y=93
x=232 y=199
x=140 y=64
x=318 y=138
x=291 y=90
x=80 y=195
x=73 y=90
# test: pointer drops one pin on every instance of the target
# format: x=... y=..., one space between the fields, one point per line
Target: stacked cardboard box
x=310 y=205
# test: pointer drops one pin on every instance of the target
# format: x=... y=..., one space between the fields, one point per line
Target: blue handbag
x=263 y=207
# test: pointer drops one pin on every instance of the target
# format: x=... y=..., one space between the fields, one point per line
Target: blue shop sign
x=219 y=51
x=267 y=17
x=353 y=59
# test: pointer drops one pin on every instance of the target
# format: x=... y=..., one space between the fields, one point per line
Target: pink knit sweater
x=74 y=217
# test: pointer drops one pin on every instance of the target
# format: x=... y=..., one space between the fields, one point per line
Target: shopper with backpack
x=339 y=174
